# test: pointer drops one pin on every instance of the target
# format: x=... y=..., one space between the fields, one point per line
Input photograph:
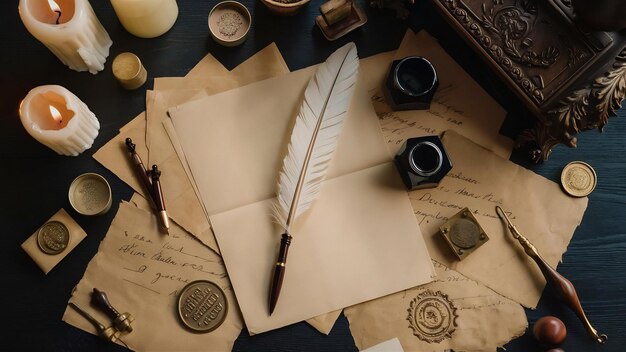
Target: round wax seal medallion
x=578 y=179
x=53 y=237
x=90 y=194
x=202 y=306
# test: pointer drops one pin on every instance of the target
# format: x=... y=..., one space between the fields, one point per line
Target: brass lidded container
x=90 y=194
x=129 y=71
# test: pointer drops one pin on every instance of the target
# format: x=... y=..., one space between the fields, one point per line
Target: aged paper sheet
x=459 y=104
x=361 y=202
x=142 y=272
x=183 y=204
x=268 y=62
x=451 y=313
x=480 y=180
x=113 y=154
x=206 y=129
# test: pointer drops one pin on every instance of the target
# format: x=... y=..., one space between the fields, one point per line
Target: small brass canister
x=463 y=233
x=129 y=71
x=90 y=194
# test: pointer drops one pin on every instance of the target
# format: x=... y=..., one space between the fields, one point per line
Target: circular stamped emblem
x=432 y=316
x=578 y=179
x=202 y=306
x=53 y=237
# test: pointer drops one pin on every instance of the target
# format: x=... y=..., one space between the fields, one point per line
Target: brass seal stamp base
x=463 y=233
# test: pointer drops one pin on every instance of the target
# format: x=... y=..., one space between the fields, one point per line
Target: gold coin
x=53 y=237
x=202 y=306
x=578 y=179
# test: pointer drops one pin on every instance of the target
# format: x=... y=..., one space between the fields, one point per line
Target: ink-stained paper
x=142 y=272
x=451 y=313
x=154 y=145
x=480 y=180
x=348 y=248
x=459 y=104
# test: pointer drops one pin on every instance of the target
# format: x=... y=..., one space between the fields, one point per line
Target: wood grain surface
x=34 y=180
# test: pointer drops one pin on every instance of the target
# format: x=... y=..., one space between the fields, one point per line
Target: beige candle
x=146 y=18
x=59 y=120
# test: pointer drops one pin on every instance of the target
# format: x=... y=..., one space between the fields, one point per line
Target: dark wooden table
x=34 y=180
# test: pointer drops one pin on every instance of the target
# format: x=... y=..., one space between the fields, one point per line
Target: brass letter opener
x=564 y=288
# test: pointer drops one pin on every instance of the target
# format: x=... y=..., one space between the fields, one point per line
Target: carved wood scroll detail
x=504 y=31
x=508 y=26
x=582 y=110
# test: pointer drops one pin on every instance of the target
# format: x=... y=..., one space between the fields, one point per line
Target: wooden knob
x=550 y=331
x=556 y=350
x=100 y=300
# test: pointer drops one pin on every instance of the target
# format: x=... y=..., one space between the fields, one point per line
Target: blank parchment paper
x=359 y=241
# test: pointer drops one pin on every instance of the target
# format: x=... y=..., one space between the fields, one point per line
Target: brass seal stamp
x=463 y=233
x=432 y=316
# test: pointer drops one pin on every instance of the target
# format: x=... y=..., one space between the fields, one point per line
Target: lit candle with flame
x=56 y=115
x=58 y=119
x=70 y=29
x=56 y=9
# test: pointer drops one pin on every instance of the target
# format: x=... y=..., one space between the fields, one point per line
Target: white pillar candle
x=146 y=18
x=58 y=119
x=70 y=29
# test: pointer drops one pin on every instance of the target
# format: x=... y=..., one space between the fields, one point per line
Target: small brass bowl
x=90 y=194
x=284 y=9
x=235 y=26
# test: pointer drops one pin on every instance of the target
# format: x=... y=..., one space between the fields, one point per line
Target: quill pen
x=313 y=141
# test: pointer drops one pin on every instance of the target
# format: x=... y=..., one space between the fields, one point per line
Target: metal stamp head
x=463 y=234
x=410 y=84
x=422 y=162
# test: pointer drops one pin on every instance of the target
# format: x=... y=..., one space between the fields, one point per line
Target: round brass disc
x=578 y=179
x=464 y=233
x=53 y=237
x=202 y=306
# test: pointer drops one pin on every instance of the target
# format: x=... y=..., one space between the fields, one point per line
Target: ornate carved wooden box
x=570 y=78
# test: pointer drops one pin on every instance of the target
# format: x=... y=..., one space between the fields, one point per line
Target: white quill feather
x=315 y=134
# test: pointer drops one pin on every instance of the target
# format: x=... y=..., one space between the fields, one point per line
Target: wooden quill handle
x=279 y=271
x=564 y=288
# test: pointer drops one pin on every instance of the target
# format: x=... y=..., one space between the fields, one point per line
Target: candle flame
x=54 y=6
x=56 y=115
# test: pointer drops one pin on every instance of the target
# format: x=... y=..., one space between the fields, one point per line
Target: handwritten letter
x=142 y=271
x=480 y=180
